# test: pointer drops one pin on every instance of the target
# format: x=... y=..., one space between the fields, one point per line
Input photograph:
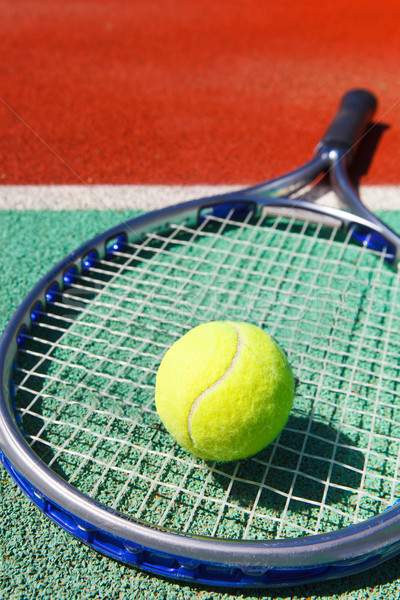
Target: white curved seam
x=201 y=396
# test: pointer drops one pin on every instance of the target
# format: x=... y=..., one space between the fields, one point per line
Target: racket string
x=124 y=313
x=329 y=341
x=289 y=293
x=114 y=455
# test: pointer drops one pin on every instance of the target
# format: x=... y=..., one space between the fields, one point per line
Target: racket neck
x=288 y=184
x=337 y=164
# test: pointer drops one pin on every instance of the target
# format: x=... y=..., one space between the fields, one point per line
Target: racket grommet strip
x=21 y=336
x=52 y=293
x=36 y=313
x=116 y=244
x=89 y=260
x=70 y=276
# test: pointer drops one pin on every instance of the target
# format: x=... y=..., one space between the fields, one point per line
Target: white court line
x=148 y=197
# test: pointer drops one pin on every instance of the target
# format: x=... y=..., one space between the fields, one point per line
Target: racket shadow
x=366 y=152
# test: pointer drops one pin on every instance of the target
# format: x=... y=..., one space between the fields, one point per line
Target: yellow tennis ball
x=224 y=390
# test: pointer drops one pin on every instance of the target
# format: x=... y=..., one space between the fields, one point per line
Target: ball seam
x=201 y=397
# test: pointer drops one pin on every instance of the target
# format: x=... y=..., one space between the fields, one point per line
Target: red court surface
x=171 y=91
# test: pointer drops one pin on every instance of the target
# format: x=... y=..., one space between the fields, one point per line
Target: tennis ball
x=224 y=390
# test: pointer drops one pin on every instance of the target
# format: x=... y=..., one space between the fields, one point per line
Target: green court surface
x=39 y=560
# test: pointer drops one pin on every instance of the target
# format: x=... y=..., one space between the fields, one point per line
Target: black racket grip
x=355 y=112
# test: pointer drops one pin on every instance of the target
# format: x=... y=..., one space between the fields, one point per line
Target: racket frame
x=198 y=558
x=158 y=550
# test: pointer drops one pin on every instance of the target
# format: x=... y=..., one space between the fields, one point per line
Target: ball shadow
x=312 y=469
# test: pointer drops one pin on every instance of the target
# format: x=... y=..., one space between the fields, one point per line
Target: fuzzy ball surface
x=224 y=390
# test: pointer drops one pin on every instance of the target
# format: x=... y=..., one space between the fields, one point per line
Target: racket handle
x=355 y=112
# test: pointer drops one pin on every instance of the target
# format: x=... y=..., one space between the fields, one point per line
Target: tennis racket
x=78 y=428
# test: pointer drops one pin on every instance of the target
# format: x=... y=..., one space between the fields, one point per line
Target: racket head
x=158 y=546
